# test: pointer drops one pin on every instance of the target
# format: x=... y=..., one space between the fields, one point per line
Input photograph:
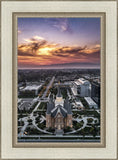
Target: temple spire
x=59 y=91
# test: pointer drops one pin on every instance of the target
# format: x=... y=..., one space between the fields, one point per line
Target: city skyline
x=58 y=43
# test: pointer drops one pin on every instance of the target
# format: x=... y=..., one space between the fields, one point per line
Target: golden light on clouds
x=37 y=51
x=44 y=51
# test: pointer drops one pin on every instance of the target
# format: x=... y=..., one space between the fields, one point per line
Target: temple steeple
x=59 y=91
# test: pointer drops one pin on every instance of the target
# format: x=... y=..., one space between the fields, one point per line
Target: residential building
x=30 y=90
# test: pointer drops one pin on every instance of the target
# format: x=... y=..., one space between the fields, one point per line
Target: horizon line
x=54 y=68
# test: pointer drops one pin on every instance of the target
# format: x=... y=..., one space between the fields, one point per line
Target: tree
x=90 y=120
x=29 y=120
x=67 y=129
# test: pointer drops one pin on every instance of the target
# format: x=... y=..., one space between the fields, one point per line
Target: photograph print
x=59 y=79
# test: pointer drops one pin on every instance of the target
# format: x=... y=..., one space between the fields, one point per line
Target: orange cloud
x=38 y=51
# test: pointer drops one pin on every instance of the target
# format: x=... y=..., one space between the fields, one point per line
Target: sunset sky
x=58 y=43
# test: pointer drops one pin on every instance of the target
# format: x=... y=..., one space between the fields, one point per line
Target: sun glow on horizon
x=58 y=41
x=44 y=51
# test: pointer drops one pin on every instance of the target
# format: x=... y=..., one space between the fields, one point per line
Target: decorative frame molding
x=103 y=105
x=14 y=84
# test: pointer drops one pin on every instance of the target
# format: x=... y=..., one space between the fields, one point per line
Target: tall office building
x=82 y=87
x=95 y=92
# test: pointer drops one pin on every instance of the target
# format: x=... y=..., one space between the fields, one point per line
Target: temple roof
x=59 y=109
x=69 y=109
x=50 y=106
x=63 y=109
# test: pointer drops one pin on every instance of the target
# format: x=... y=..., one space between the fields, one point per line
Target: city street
x=48 y=87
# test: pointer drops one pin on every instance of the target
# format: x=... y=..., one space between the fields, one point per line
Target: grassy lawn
x=32 y=131
x=87 y=113
x=42 y=125
x=77 y=125
x=93 y=130
x=43 y=106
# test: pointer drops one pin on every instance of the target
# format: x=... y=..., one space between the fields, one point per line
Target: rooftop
x=81 y=81
x=33 y=87
x=79 y=103
x=90 y=101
